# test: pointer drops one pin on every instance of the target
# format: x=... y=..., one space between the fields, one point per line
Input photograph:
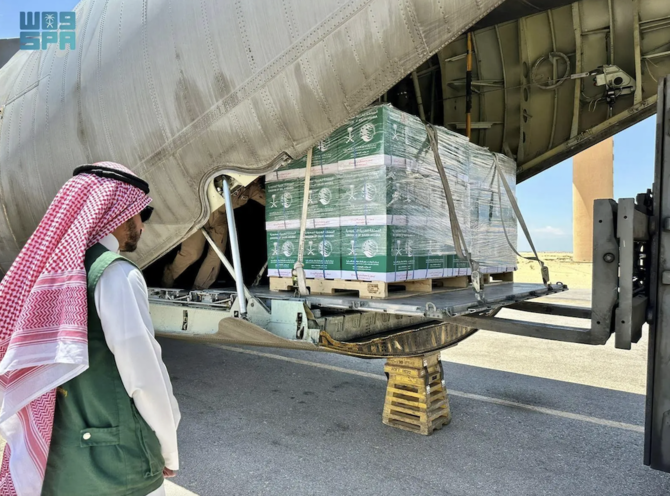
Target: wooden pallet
x=368 y=289
x=380 y=289
x=416 y=397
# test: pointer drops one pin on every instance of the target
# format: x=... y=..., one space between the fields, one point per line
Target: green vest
x=100 y=445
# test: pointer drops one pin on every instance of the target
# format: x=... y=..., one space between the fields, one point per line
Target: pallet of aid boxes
x=376 y=188
x=357 y=209
x=493 y=224
x=379 y=197
x=398 y=228
x=482 y=206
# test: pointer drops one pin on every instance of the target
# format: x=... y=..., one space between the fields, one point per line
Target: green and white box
x=456 y=266
x=323 y=202
x=377 y=136
x=282 y=252
x=372 y=197
x=322 y=253
x=325 y=155
x=419 y=228
x=435 y=261
x=283 y=204
x=377 y=253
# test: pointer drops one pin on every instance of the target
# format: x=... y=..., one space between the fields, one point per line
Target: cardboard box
x=366 y=197
x=488 y=211
x=321 y=256
x=377 y=136
x=282 y=252
x=283 y=204
x=323 y=203
x=378 y=253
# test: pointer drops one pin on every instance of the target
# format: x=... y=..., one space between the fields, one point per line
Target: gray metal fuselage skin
x=180 y=91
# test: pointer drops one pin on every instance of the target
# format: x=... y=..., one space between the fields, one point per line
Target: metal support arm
x=551 y=309
x=619 y=296
x=235 y=248
x=525 y=328
x=224 y=260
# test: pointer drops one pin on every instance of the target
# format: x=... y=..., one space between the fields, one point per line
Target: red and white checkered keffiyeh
x=43 y=318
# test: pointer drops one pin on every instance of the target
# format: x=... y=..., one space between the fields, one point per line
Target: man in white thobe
x=130 y=337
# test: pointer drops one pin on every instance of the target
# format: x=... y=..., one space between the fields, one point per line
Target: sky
x=545 y=200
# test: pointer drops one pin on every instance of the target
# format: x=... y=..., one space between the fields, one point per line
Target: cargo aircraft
x=183 y=92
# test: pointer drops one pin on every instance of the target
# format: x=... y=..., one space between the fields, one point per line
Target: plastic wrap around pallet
x=377 y=209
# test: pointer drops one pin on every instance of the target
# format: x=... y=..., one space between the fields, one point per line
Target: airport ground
x=530 y=417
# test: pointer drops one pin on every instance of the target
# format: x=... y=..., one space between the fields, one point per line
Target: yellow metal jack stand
x=416 y=397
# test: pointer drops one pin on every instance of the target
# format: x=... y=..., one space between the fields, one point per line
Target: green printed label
x=363 y=196
x=283 y=204
x=322 y=253
x=457 y=266
x=376 y=196
x=325 y=155
x=377 y=136
x=379 y=253
x=282 y=252
x=323 y=202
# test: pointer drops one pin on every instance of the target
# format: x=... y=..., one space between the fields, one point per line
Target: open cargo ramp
x=405 y=324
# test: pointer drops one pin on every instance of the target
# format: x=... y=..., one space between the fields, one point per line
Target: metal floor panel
x=439 y=304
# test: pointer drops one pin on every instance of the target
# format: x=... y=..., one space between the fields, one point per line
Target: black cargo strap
x=517 y=212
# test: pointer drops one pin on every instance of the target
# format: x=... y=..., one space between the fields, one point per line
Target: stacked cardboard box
x=492 y=214
x=321 y=257
x=377 y=208
x=438 y=237
x=284 y=190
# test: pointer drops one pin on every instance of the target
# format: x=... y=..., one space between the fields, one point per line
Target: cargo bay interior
x=250 y=221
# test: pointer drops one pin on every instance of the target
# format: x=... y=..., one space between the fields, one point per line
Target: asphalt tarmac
x=266 y=421
x=530 y=417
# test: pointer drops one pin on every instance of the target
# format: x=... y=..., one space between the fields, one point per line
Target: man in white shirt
x=130 y=337
x=75 y=315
